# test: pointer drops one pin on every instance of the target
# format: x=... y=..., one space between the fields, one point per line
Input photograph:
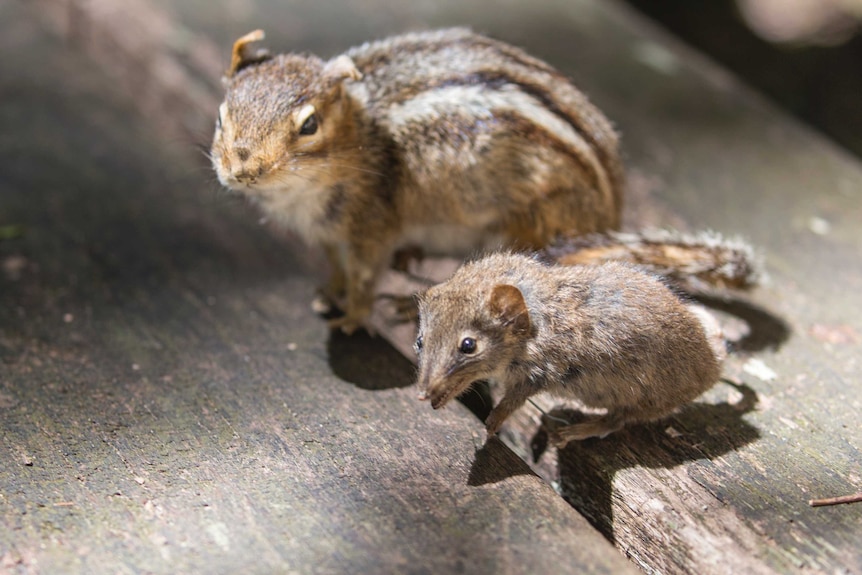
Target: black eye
x=309 y=127
x=468 y=345
x=419 y=343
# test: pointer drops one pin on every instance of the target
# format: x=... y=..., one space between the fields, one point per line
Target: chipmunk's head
x=468 y=335
x=280 y=119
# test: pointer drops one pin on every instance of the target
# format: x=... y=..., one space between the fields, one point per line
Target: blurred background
x=806 y=55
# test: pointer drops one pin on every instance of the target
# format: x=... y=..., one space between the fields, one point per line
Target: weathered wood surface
x=723 y=487
x=169 y=403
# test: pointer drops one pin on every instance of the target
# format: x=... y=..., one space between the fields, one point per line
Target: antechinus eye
x=468 y=345
x=419 y=343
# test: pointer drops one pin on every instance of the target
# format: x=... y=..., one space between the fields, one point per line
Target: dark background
x=818 y=80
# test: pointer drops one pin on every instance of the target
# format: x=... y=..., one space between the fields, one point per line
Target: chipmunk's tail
x=694 y=261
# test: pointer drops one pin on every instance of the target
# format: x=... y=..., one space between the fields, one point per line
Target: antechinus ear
x=243 y=56
x=508 y=305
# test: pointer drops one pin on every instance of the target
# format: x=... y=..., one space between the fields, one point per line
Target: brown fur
x=610 y=336
x=446 y=139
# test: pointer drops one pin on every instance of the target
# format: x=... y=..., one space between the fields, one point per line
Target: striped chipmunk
x=443 y=140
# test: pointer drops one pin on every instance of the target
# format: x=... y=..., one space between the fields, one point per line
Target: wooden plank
x=725 y=485
x=170 y=404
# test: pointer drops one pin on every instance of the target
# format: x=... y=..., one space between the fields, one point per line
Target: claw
x=322 y=305
x=349 y=324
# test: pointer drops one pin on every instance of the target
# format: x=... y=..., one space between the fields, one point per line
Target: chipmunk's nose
x=242 y=166
x=245 y=177
x=246 y=173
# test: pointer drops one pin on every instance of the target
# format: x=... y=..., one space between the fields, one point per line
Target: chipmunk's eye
x=219 y=120
x=309 y=127
x=419 y=343
x=468 y=345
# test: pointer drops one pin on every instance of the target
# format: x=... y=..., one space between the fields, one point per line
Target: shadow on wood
x=700 y=432
x=495 y=462
x=368 y=362
x=766 y=330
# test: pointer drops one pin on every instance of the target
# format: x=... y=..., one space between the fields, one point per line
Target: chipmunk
x=611 y=336
x=446 y=140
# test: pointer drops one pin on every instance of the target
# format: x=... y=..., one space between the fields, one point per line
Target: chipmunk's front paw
x=326 y=303
x=350 y=323
x=323 y=305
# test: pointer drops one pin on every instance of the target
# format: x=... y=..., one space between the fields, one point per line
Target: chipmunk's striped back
x=461 y=93
x=445 y=140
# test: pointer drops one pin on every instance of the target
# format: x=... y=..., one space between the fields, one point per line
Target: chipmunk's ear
x=243 y=55
x=341 y=68
x=507 y=304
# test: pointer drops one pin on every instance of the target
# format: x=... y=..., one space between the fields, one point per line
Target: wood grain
x=191 y=412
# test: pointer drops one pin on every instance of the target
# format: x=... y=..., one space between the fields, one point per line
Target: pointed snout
x=422 y=383
x=439 y=390
x=438 y=396
x=431 y=388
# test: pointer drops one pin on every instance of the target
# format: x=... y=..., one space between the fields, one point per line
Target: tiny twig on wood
x=855 y=498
